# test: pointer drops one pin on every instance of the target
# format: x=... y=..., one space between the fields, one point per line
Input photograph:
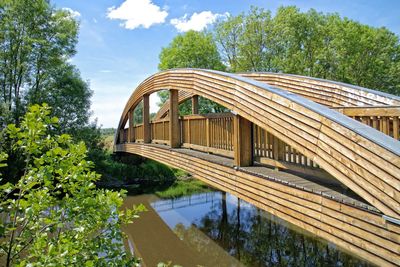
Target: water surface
x=218 y=229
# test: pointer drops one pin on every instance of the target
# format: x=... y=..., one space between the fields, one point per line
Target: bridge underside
x=319 y=209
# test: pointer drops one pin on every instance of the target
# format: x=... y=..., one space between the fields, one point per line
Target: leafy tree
x=69 y=96
x=54 y=215
x=191 y=50
x=227 y=34
x=255 y=41
x=35 y=39
x=312 y=44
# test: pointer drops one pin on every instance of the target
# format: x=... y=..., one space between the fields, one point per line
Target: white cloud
x=138 y=13
x=197 y=22
x=74 y=13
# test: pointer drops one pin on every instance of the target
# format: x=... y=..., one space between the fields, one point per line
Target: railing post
x=189 y=131
x=195 y=104
x=121 y=136
x=243 y=142
x=146 y=119
x=174 y=128
x=130 y=129
x=208 y=141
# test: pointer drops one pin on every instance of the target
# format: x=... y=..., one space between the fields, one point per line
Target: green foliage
x=35 y=41
x=312 y=44
x=107 y=131
x=183 y=188
x=68 y=95
x=54 y=215
x=191 y=50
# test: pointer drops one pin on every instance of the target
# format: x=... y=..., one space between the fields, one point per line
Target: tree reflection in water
x=257 y=238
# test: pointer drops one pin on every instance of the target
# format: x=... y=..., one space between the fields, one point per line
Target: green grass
x=184 y=188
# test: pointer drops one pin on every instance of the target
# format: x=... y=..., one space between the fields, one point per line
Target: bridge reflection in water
x=321 y=155
x=218 y=229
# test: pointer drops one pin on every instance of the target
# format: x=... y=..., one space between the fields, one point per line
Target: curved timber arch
x=363 y=159
x=328 y=93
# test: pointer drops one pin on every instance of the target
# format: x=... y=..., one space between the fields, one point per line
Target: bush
x=54 y=214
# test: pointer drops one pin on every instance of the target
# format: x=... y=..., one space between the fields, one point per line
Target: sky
x=120 y=40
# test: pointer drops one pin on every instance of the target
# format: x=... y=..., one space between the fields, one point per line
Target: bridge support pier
x=174 y=127
x=195 y=104
x=146 y=119
x=242 y=142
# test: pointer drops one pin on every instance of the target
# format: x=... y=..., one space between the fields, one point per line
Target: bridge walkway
x=327 y=187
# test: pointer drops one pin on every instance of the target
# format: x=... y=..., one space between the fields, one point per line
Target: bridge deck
x=327 y=187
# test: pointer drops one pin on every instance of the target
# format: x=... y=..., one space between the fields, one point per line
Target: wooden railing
x=160 y=131
x=213 y=133
x=138 y=132
x=210 y=133
x=383 y=118
x=268 y=149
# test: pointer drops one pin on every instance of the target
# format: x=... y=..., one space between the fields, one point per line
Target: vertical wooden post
x=121 y=136
x=189 y=132
x=208 y=139
x=174 y=129
x=195 y=104
x=396 y=128
x=130 y=129
x=243 y=142
x=146 y=119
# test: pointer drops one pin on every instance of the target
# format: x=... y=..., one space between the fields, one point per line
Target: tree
x=54 y=215
x=36 y=42
x=227 y=34
x=35 y=39
x=69 y=96
x=191 y=50
x=255 y=41
x=312 y=44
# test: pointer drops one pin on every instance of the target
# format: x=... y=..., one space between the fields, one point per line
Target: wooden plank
x=208 y=138
x=212 y=150
x=174 y=126
x=387 y=111
x=243 y=144
x=396 y=128
x=304 y=170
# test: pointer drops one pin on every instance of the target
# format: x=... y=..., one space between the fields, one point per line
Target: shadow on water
x=218 y=229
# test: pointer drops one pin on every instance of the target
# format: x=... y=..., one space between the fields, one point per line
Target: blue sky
x=120 y=40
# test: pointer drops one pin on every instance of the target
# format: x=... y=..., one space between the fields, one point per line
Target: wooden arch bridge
x=322 y=155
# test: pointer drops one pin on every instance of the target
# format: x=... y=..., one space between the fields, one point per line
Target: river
x=218 y=229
